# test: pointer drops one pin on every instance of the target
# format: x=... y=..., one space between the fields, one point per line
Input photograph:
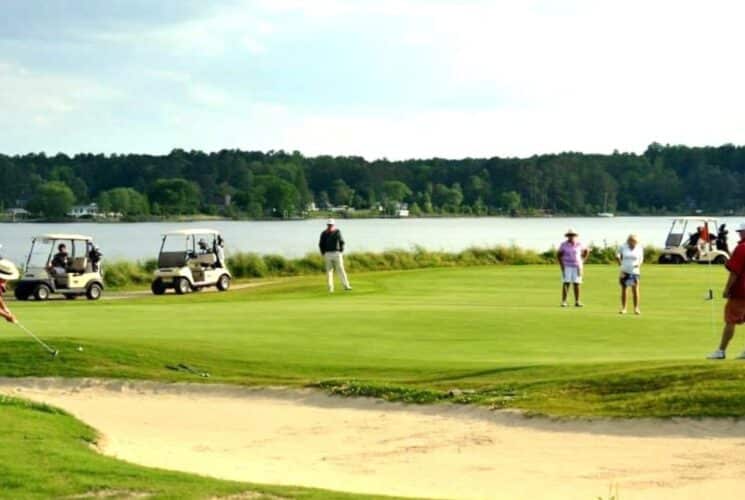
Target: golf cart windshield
x=174 y=251
x=43 y=249
x=41 y=253
x=677 y=233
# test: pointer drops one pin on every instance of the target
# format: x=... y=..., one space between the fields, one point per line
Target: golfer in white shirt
x=630 y=257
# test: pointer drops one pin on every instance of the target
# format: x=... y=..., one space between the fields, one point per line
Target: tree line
x=237 y=183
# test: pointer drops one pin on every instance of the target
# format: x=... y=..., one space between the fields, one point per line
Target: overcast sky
x=376 y=78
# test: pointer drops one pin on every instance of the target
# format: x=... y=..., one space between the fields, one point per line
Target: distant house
x=80 y=211
x=17 y=213
x=402 y=210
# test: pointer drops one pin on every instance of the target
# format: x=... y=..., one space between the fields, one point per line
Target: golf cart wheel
x=71 y=296
x=676 y=259
x=94 y=292
x=223 y=283
x=21 y=294
x=42 y=292
x=182 y=286
x=157 y=287
x=719 y=259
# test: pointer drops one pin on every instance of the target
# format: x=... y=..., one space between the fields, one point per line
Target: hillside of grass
x=492 y=335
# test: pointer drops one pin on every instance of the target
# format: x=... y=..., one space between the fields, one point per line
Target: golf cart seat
x=78 y=265
x=206 y=260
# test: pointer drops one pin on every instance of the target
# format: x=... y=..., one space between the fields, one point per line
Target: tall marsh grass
x=122 y=274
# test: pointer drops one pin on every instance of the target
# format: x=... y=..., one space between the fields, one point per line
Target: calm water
x=296 y=238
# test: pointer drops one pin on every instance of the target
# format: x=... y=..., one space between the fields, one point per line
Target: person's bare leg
x=727 y=334
x=564 y=292
x=623 y=299
x=635 y=293
x=576 y=293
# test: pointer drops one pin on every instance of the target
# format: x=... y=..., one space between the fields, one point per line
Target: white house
x=17 y=213
x=79 y=211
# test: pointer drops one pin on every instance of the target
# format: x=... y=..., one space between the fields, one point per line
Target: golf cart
x=695 y=239
x=81 y=275
x=189 y=260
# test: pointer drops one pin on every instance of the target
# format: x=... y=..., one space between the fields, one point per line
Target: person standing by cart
x=331 y=245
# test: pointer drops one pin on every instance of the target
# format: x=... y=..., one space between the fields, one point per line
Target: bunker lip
x=706 y=427
x=306 y=437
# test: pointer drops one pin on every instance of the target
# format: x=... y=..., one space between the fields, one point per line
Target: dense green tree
x=342 y=193
x=396 y=191
x=175 y=196
x=126 y=201
x=52 y=199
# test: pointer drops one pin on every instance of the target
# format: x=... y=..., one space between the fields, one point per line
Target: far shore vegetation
x=234 y=184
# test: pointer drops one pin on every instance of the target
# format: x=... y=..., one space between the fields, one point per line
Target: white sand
x=309 y=439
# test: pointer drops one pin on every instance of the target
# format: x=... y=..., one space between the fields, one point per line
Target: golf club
x=53 y=352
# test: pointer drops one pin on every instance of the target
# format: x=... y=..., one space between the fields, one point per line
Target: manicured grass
x=491 y=335
x=45 y=453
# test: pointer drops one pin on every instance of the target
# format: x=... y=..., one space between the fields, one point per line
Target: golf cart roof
x=63 y=236
x=697 y=218
x=190 y=232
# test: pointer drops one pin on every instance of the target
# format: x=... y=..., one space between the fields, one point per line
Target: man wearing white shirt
x=630 y=257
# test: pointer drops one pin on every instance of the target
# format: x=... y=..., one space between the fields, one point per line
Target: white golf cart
x=82 y=274
x=189 y=260
x=695 y=239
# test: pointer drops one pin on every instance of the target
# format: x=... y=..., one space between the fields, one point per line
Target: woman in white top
x=630 y=257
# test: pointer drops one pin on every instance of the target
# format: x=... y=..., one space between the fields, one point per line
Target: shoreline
x=200 y=219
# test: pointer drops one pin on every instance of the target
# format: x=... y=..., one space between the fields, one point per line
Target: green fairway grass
x=45 y=453
x=489 y=335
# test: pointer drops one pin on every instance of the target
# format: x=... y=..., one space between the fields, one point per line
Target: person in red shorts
x=734 y=292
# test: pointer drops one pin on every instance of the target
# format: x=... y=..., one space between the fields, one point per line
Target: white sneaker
x=718 y=354
x=741 y=356
x=637 y=311
x=622 y=311
x=564 y=304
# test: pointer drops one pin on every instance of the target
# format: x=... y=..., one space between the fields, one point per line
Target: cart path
x=134 y=294
x=147 y=293
x=304 y=437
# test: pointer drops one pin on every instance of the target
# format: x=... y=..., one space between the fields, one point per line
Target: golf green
x=491 y=335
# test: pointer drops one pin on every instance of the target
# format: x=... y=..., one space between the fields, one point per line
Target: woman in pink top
x=572 y=256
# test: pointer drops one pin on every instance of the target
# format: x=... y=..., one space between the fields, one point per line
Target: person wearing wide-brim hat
x=8 y=272
x=571 y=256
x=630 y=257
x=331 y=245
x=734 y=292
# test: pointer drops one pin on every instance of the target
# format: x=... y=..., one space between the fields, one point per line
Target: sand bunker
x=307 y=438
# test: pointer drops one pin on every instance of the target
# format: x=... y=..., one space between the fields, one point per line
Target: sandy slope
x=307 y=438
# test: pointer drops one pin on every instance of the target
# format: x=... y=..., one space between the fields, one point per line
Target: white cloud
x=46 y=97
x=517 y=77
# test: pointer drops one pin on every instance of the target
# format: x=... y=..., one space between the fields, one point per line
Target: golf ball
x=80 y=348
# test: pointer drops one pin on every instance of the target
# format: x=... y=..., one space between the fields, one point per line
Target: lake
x=296 y=238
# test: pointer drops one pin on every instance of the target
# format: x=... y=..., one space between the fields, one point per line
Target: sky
x=375 y=78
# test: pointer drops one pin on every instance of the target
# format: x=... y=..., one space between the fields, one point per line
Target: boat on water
x=605 y=212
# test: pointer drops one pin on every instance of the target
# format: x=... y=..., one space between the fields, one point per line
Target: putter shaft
x=49 y=349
